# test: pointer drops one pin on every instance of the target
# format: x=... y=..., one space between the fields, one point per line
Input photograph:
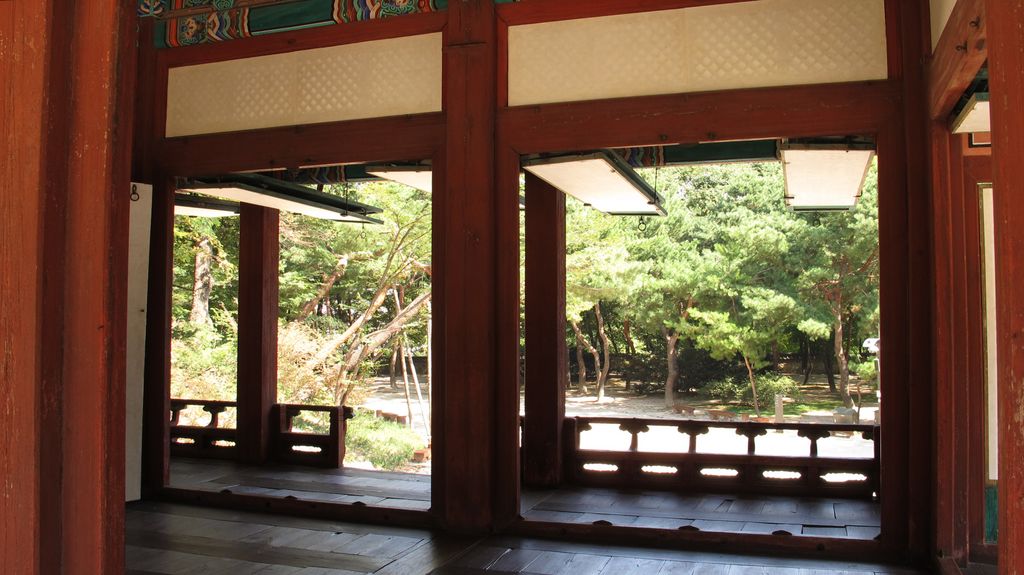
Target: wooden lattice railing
x=214 y=440
x=310 y=448
x=690 y=468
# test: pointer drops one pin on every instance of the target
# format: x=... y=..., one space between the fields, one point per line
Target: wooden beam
x=381 y=139
x=859 y=108
x=536 y=11
x=1006 y=81
x=259 y=250
x=545 y=334
x=66 y=125
x=958 y=57
x=466 y=313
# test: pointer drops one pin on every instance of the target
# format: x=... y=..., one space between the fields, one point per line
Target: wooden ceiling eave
x=959 y=56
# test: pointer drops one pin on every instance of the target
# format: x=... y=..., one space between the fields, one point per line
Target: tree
x=840 y=274
x=596 y=265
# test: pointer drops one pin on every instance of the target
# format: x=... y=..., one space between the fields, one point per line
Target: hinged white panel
x=366 y=80
x=730 y=46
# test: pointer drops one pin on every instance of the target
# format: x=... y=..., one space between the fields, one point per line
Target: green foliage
x=866 y=371
x=737 y=390
x=385 y=444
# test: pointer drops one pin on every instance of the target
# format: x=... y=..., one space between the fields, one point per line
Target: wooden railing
x=690 y=468
x=213 y=440
x=309 y=448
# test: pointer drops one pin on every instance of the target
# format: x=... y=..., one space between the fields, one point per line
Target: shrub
x=385 y=444
x=728 y=389
x=737 y=390
x=770 y=384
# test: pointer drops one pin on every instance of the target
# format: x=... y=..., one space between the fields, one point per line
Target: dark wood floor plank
x=255 y=552
x=481 y=557
x=586 y=564
x=719 y=526
x=820 y=531
x=677 y=568
x=166 y=539
x=770 y=528
x=515 y=560
x=301 y=487
x=710 y=569
x=268 y=520
x=428 y=555
x=632 y=566
x=561 y=512
x=549 y=563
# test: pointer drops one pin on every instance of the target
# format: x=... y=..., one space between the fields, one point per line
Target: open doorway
x=720 y=358
x=348 y=419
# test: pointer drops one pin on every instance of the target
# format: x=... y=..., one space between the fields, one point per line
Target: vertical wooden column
x=465 y=258
x=65 y=138
x=1006 y=83
x=156 y=405
x=545 y=333
x=904 y=234
x=259 y=251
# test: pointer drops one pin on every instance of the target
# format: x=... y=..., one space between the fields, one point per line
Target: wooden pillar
x=156 y=405
x=904 y=234
x=65 y=138
x=1006 y=83
x=466 y=306
x=545 y=334
x=258 y=255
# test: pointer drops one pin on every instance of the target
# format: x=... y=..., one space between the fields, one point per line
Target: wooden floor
x=811 y=517
x=177 y=539
x=848 y=519
x=376 y=488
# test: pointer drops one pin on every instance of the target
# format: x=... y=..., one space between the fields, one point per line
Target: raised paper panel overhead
x=723 y=47
x=366 y=80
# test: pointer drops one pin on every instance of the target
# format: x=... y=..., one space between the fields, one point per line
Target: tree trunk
x=394 y=364
x=581 y=371
x=424 y=418
x=202 y=282
x=356 y=326
x=357 y=353
x=753 y=385
x=405 y=381
x=842 y=359
x=805 y=358
x=582 y=341
x=830 y=371
x=606 y=367
x=630 y=350
x=325 y=288
x=672 y=356
x=775 y=354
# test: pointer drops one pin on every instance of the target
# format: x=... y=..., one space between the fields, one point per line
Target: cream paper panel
x=365 y=80
x=732 y=46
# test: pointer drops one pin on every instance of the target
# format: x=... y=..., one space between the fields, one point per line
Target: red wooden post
x=65 y=139
x=257 y=330
x=466 y=251
x=1006 y=81
x=545 y=333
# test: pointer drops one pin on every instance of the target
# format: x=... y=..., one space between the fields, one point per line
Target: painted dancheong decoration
x=205 y=21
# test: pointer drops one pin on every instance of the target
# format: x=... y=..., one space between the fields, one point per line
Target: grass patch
x=385 y=444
